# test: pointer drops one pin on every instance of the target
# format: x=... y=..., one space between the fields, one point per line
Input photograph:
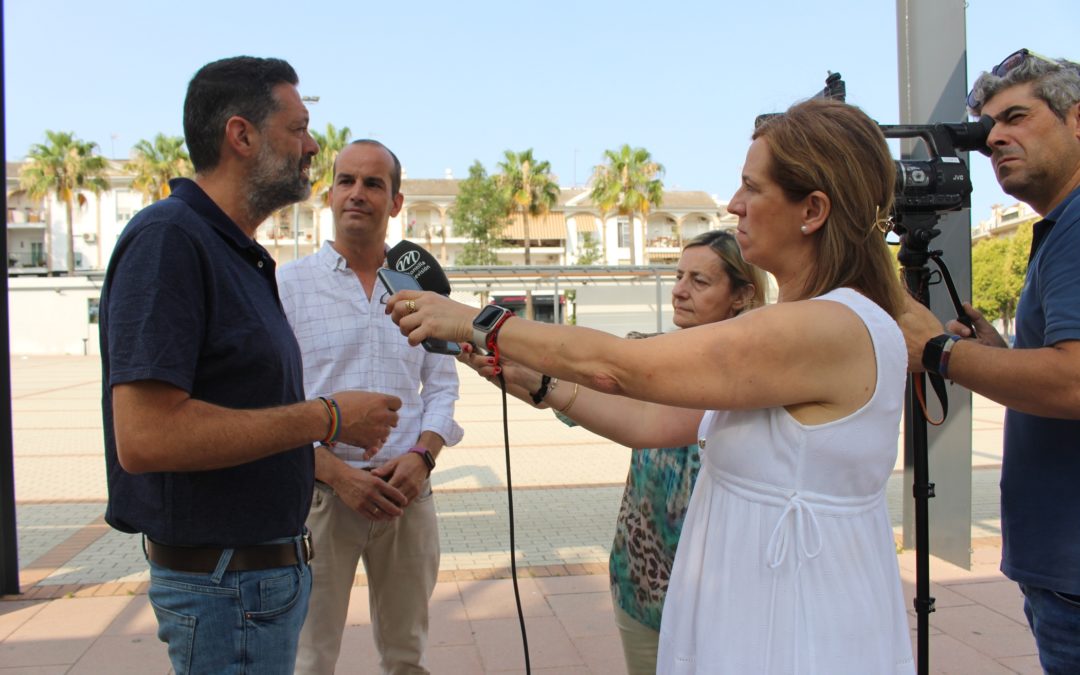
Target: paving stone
x=568 y=484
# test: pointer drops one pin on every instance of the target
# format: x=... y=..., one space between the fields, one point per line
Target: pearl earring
x=804 y=229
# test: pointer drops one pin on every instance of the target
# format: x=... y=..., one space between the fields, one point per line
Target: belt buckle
x=309 y=550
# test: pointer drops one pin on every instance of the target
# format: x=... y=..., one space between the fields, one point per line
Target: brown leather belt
x=204 y=559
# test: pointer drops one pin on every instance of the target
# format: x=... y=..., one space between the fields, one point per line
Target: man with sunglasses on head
x=208 y=436
x=1035 y=149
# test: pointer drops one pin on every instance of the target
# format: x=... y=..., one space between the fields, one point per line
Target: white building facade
x=58 y=315
x=37 y=229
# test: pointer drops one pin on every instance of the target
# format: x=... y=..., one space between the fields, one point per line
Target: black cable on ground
x=513 y=546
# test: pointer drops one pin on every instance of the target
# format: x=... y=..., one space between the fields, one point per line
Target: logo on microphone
x=407 y=261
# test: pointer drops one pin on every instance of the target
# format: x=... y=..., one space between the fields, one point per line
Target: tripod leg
x=916 y=278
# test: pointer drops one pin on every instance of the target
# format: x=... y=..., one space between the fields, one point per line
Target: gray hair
x=1057 y=82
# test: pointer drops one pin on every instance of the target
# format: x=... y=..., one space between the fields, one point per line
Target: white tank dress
x=786 y=563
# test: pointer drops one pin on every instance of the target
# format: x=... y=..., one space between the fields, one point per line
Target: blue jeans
x=231 y=623
x=1055 y=621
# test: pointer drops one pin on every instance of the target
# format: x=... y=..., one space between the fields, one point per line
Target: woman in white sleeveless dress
x=713 y=283
x=786 y=562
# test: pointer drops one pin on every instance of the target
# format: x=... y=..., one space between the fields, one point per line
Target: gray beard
x=274 y=185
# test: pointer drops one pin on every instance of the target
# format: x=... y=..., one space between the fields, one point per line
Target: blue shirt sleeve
x=156 y=321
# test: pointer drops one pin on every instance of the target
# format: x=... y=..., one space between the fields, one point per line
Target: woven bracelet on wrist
x=334 y=412
x=946 y=351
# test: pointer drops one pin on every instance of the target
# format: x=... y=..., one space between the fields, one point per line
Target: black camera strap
x=938 y=383
x=936 y=380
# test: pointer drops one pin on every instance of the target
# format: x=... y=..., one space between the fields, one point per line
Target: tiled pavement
x=84 y=609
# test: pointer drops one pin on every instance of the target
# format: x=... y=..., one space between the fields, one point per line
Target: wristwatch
x=486 y=325
x=933 y=351
x=429 y=459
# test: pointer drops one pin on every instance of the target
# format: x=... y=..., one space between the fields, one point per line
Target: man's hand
x=406 y=472
x=369 y=495
x=366 y=417
x=984 y=331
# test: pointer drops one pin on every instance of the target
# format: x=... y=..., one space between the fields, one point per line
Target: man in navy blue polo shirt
x=1035 y=144
x=207 y=432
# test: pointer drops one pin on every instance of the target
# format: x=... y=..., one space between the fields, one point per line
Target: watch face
x=488 y=317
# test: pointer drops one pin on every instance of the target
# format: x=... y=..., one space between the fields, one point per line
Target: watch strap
x=428 y=458
x=486 y=338
x=493 y=334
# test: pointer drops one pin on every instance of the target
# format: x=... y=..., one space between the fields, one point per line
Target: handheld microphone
x=410 y=267
x=412 y=259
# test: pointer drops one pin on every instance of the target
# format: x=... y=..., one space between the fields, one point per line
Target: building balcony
x=662 y=244
x=517 y=247
x=19 y=260
x=283 y=237
x=25 y=219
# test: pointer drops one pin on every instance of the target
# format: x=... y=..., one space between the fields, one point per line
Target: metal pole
x=659 y=304
x=296 y=231
x=9 y=541
x=557 y=304
x=933 y=77
x=296 y=207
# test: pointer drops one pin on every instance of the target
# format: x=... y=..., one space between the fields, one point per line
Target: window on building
x=128 y=203
x=624 y=232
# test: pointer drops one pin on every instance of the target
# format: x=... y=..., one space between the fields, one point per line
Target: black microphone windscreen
x=412 y=259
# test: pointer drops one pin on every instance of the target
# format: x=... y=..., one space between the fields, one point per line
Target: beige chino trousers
x=401 y=560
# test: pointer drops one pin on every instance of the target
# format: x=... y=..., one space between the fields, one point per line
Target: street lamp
x=296 y=206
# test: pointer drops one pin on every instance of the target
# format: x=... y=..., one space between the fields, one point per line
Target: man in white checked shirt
x=376 y=507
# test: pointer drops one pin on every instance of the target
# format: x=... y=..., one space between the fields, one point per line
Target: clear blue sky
x=446 y=83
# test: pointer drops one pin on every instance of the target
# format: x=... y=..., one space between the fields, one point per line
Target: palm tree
x=322 y=166
x=628 y=183
x=66 y=166
x=155 y=163
x=529 y=189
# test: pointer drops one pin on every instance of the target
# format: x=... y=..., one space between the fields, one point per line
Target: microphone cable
x=513 y=546
x=412 y=261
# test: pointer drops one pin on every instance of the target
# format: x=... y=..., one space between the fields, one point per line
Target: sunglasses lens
x=1011 y=61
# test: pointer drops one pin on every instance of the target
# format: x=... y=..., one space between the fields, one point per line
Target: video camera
x=924 y=188
x=941 y=183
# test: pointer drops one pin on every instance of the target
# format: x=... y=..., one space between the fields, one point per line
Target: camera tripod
x=916 y=232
